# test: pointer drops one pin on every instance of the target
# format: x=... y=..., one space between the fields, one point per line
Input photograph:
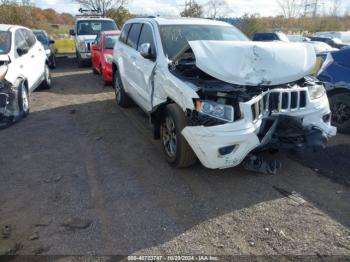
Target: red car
x=102 y=54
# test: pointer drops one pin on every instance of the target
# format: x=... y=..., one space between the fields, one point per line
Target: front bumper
x=9 y=109
x=238 y=139
x=85 y=56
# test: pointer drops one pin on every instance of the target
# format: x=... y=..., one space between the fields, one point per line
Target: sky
x=174 y=7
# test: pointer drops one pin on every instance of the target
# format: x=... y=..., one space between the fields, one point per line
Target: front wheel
x=23 y=100
x=340 y=105
x=175 y=147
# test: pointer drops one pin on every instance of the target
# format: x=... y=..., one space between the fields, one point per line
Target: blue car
x=45 y=40
x=335 y=73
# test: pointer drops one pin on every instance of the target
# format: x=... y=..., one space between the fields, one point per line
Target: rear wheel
x=80 y=61
x=53 y=64
x=23 y=100
x=175 y=147
x=46 y=84
x=121 y=96
x=340 y=105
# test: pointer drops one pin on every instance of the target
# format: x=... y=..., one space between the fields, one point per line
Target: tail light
x=327 y=63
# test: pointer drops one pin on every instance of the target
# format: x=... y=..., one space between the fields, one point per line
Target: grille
x=276 y=102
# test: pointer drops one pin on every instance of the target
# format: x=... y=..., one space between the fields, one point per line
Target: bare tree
x=102 y=5
x=335 y=7
x=289 y=8
x=192 y=9
x=217 y=8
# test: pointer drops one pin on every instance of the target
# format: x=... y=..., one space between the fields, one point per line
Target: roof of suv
x=93 y=18
x=183 y=21
x=4 y=27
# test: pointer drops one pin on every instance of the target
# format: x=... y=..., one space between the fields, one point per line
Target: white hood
x=83 y=38
x=254 y=63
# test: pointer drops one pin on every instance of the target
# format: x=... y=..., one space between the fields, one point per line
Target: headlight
x=81 y=47
x=316 y=91
x=3 y=71
x=108 y=58
x=48 y=52
x=220 y=111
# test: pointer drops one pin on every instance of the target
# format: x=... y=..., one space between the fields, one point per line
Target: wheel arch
x=156 y=117
x=339 y=90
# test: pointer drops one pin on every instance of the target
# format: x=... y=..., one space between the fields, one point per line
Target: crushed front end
x=288 y=116
x=233 y=122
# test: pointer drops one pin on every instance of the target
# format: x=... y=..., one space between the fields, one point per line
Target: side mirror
x=95 y=47
x=71 y=32
x=22 y=51
x=52 y=42
x=146 y=51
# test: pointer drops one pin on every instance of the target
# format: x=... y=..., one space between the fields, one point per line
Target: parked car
x=333 y=42
x=270 y=36
x=102 y=54
x=215 y=95
x=344 y=36
x=335 y=73
x=23 y=68
x=298 y=38
x=85 y=32
x=48 y=43
x=321 y=47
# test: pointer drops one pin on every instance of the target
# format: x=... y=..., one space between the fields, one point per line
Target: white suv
x=23 y=68
x=214 y=95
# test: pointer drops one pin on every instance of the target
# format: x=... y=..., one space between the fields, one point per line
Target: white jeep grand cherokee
x=214 y=95
x=23 y=68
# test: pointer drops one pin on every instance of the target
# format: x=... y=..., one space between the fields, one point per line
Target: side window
x=124 y=34
x=29 y=36
x=20 y=41
x=133 y=36
x=146 y=36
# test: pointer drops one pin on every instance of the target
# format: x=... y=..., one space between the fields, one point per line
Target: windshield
x=176 y=37
x=110 y=41
x=94 y=27
x=41 y=37
x=5 y=42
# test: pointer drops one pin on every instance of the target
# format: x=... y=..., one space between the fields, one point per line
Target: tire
x=23 y=100
x=53 y=64
x=178 y=152
x=80 y=61
x=121 y=96
x=46 y=84
x=340 y=106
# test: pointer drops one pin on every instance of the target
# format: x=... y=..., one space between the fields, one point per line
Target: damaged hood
x=254 y=63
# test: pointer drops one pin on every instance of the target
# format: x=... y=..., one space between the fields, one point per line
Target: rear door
x=22 y=62
x=130 y=66
x=145 y=68
x=96 y=54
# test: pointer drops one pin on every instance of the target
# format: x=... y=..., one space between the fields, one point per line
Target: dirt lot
x=81 y=176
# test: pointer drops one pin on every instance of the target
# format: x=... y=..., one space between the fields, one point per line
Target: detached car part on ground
x=23 y=68
x=213 y=95
x=335 y=73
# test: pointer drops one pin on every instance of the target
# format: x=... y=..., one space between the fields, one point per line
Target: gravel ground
x=81 y=176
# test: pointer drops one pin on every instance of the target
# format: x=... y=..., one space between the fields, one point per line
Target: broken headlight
x=213 y=109
x=316 y=91
x=3 y=71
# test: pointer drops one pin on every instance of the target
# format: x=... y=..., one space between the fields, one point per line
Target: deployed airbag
x=254 y=63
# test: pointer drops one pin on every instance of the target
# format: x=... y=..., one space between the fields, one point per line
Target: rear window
x=5 y=42
x=265 y=37
x=133 y=36
x=124 y=34
x=41 y=37
x=110 y=41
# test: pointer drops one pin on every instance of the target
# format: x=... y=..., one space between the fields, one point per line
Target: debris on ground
x=54 y=179
x=77 y=223
x=99 y=138
x=260 y=165
x=6 y=231
x=294 y=196
x=251 y=243
x=44 y=222
x=40 y=250
x=73 y=111
x=34 y=236
x=14 y=249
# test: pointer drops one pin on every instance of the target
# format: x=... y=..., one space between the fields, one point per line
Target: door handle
x=21 y=66
x=32 y=56
x=40 y=50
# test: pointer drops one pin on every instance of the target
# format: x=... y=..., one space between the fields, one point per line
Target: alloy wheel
x=340 y=113
x=169 y=136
